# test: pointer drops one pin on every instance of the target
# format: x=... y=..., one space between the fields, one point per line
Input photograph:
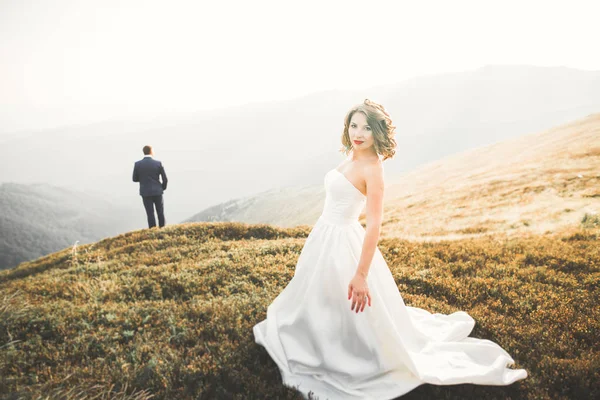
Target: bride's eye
x=368 y=128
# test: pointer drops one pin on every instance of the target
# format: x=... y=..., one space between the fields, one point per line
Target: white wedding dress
x=320 y=345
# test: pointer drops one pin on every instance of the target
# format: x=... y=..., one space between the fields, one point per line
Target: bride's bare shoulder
x=374 y=167
x=373 y=174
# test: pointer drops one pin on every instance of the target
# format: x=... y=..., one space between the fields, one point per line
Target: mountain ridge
x=491 y=162
x=38 y=219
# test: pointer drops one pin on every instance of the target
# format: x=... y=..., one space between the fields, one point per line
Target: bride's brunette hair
x=381 y=125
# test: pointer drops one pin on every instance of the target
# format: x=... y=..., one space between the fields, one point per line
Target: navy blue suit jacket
x=147 y=172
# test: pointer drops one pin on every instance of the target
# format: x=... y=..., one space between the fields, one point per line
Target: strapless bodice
x=343 y=201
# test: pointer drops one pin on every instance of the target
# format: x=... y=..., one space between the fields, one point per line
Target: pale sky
x=66 y=62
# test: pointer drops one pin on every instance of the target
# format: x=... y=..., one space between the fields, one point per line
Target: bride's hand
x=359 y=292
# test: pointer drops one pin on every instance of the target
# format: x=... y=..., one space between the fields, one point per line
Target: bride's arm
x=374 y=211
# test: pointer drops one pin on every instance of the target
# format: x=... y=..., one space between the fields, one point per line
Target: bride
x=340 y=328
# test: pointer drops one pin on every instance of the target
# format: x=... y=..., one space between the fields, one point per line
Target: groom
x=147 y=172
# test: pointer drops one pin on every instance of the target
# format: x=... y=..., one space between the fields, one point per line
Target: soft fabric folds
x=320 y=345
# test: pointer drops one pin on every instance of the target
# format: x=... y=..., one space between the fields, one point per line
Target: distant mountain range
x=266 y=156
x=534 y=183
x=41 y=219
x=285 y=207
x=213 y=157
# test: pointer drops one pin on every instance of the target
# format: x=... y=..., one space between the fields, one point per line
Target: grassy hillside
x=168 y=314
x=532 y=184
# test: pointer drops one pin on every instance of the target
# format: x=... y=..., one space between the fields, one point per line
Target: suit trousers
x=150 y=202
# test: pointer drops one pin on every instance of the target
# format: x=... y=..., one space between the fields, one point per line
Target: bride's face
x=361 y=134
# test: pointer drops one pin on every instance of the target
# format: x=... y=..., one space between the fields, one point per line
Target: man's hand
x=163 y=175
x=136 y=177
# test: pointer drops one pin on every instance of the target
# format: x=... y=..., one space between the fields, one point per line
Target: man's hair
x=147 y=150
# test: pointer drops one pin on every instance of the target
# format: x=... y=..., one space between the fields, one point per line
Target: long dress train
x=320 y=345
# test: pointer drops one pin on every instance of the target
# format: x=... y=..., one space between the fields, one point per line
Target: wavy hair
x=381 y=125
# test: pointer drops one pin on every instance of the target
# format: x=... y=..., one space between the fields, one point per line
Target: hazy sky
x=65 y=62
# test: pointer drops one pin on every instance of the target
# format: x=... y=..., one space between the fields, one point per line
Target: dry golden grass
x=168 y=314
x=535 y=183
